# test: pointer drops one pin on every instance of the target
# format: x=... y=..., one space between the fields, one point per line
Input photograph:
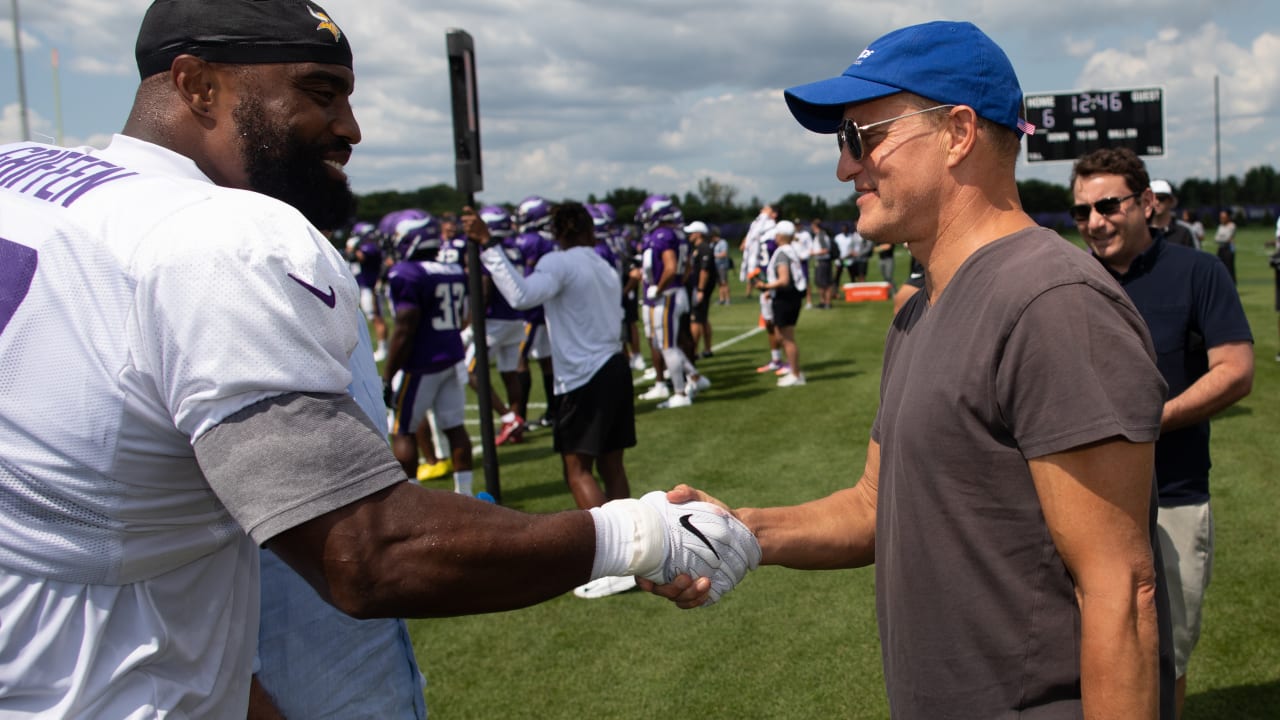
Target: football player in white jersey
x=189 y=377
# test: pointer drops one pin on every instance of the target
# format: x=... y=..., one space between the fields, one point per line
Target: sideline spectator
x=884 y=253
x=222 y=396
x=844 y=255
x=1165 y=220
x=1225 y=237
x=785 y=284
x=1275 y=267
x=702 y=281
x=1010 y=520
x=1192 y=221
x=724 y=263
x=823 y=255
x=1204 y=351
x=862 y=250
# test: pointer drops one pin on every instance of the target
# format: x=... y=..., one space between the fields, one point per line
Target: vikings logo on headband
x=326 y=23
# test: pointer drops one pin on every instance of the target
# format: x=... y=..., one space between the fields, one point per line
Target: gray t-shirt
x=1031 y=350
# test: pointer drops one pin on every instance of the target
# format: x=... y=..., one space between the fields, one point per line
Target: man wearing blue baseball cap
x=1007 y=496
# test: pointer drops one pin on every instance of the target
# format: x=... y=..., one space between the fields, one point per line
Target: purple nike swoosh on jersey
x=330 y=298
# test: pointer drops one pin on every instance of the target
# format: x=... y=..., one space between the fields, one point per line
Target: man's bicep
x=1096 y=500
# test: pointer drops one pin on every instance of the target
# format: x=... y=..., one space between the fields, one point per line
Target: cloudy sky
x=583 y=97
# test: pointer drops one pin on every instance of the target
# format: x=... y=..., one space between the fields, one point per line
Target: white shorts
x=1186 y=545
x=503 y=340
x=766 y=306
x=416 y=394
x=370 y=303
x=537 y=343
x=662 y=319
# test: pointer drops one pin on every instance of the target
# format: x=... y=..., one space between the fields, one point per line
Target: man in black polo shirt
x=1204 y=350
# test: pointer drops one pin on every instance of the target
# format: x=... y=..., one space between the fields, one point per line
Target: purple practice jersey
x=439 y=291
x=767 y=248
x=453 y=250
x=655 y=245
x=370 y=259
x=532 y=246
x=606 y=252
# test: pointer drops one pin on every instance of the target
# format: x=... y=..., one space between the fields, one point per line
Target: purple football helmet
x=533 y=213
x=599 y=221
x=498 y=220
x=656 y=210
x=387 y=225
x=419 y=239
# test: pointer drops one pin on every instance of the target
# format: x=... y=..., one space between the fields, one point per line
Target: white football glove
x=652 y=292
x=704 y=540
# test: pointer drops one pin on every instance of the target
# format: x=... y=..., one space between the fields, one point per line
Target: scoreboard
x=1069 y=125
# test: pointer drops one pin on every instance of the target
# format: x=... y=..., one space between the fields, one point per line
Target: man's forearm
x=1119 y=656
x=410 y=552
x=1228 y=380
x=837 y=531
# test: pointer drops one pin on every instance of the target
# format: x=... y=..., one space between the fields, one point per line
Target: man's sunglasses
x=849 y=133
x=1105 y=207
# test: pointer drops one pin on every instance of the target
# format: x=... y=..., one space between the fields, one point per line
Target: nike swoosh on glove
x=704 y=540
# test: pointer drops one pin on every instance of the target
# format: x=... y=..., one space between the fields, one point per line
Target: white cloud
x=581 y=97
x=1078 y=47
x=1249 y=90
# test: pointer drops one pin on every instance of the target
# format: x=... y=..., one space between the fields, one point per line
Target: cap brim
x=819 y=106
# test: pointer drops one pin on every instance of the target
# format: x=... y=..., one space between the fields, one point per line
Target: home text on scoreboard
x=1069 y=125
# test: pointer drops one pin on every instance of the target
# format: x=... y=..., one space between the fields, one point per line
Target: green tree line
x=718 y=203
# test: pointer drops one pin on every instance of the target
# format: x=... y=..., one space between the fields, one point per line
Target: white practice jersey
x=130 y=324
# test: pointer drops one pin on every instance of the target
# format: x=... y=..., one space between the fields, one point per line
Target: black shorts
x=698 y=313
x=786 y=307
x=631 y=308
x=598 y=417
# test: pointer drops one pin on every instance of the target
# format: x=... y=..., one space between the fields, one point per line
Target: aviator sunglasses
x=849 y=133
x=1105 y=207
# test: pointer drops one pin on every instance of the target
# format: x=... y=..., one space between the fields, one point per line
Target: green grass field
x=790 y=644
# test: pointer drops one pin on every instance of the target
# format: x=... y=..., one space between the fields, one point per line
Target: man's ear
x=198 y=83
x=962 y=133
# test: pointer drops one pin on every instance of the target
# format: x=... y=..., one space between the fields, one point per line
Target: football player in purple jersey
x=767 y=245
x=533 y=220
x=620 y=242
x=664 y=253
x=504 y=333
x=430 y=300
x=366 y=265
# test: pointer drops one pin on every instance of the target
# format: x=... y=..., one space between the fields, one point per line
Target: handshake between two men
x=691 y=553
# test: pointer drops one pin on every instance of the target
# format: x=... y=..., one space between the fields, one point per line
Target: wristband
x=631 y=539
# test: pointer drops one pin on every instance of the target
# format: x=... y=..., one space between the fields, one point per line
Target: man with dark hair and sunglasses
x=1006 y=500
x=1204 y=350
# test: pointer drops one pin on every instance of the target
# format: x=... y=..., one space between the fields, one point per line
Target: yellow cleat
x=435 y=471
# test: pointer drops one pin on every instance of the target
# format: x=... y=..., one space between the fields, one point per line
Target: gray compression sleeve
x=289 y=459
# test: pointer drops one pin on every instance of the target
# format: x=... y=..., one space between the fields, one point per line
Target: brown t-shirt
x=1031 y=349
